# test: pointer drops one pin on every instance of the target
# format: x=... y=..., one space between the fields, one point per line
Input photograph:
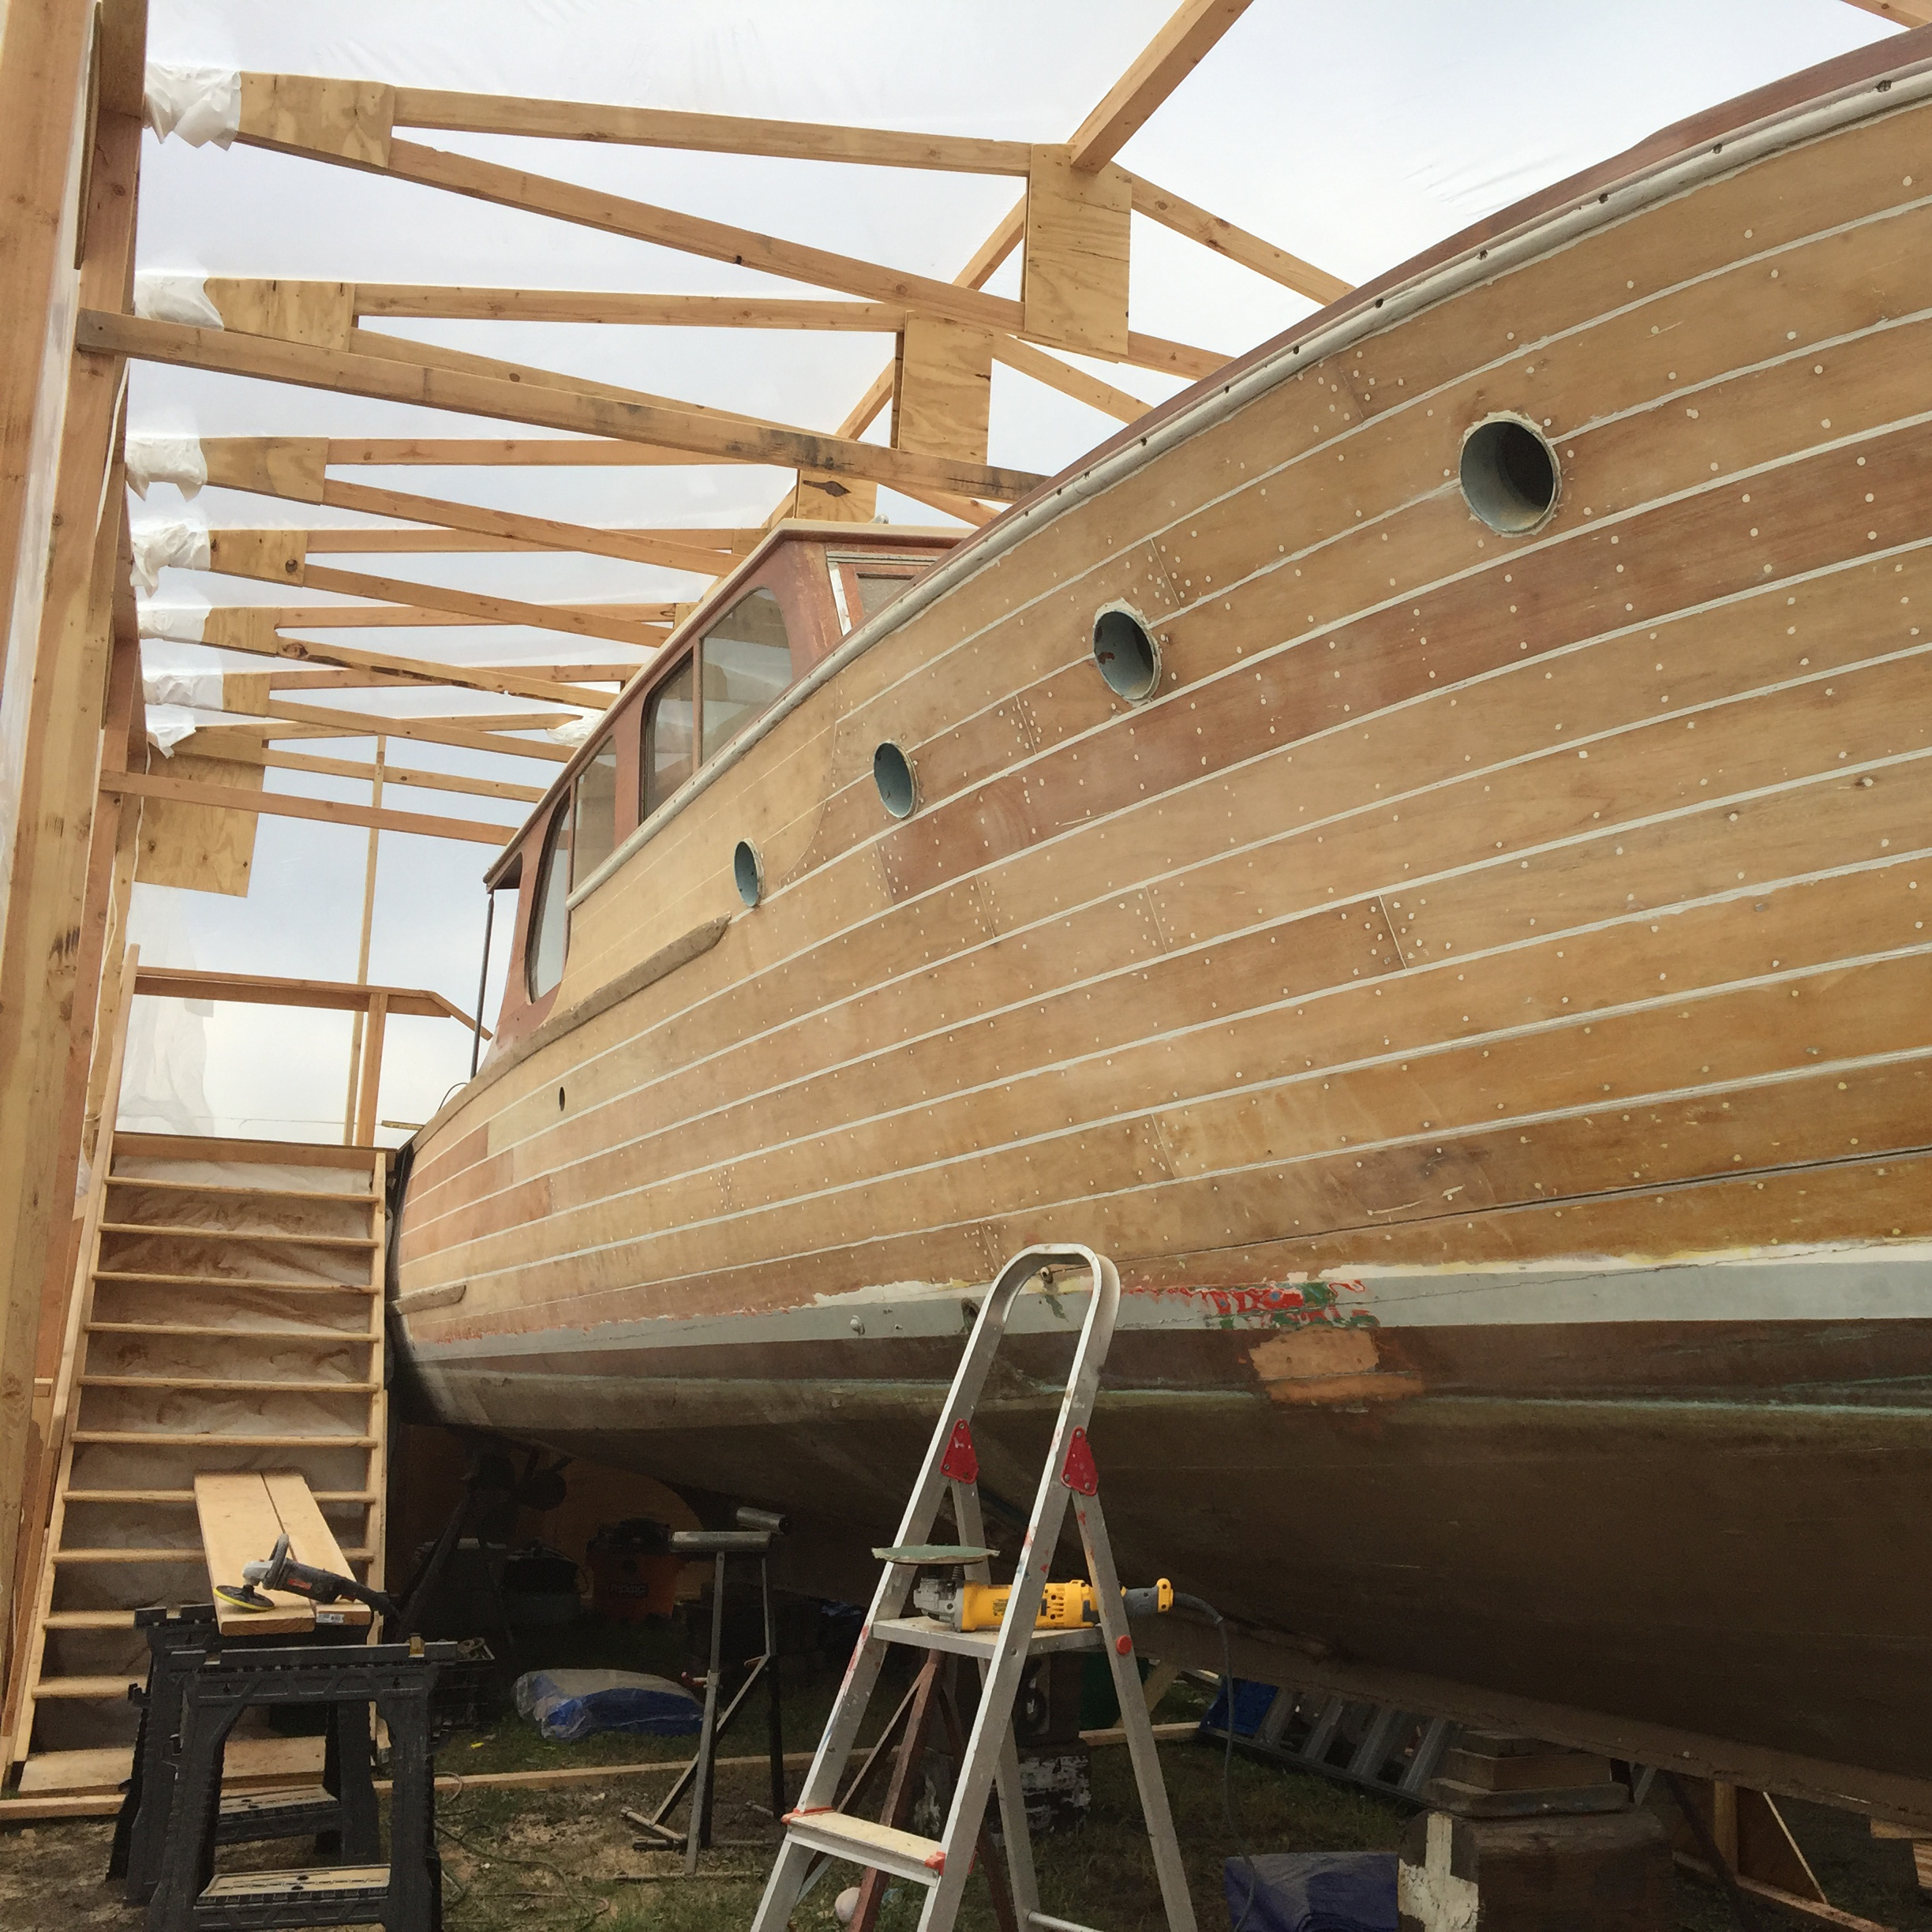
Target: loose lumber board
x=199 y=847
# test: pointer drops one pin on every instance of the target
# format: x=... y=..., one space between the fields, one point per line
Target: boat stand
x=757 y=1531
x=988 y=1761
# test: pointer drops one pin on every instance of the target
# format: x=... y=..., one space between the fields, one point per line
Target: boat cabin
x=790 y=604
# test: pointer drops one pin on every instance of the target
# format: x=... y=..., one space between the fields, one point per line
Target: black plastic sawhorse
x=406 y=1895
x=340 y=1812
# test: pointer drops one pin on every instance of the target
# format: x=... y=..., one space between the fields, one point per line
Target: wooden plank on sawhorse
x=242 y=1516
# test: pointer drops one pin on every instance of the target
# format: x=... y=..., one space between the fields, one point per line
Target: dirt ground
x=563 y=1861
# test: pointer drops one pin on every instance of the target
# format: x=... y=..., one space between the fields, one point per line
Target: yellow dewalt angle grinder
x=963 y=1606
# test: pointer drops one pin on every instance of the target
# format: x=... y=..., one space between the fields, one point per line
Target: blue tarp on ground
x=1313 y=1891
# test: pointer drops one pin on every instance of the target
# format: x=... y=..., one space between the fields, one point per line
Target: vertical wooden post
x=350 y=1108
x=51 y=708
x=371 y=1081
x=43 y=54
x=1724 y=1820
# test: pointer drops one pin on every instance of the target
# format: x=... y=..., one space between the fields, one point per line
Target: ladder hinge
x=960 y=1464
x=1080 y=1473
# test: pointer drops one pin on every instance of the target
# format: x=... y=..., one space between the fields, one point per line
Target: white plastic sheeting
x=200 y=104
x=163 y=1082
x=179 y=623
x=575 y=731
x=181 y=541
x=201 y=690
x=176 y=459
x=168 y=725
x=171 y=295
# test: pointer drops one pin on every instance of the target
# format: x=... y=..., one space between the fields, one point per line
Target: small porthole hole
x=748 y=872
x=1509 y=475
x=892 y=771
x=1123 y=649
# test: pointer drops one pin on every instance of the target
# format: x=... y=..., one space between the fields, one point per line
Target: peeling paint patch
x=1328 y=1365
x=1288 y=1305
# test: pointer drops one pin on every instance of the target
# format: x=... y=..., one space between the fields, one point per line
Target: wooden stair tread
x=287 y=1237
x=251 y=1282
x=162 y=1553
x=85 y=1687
x=186 y=1497
x=248 y=1761
x=359 y=1195
x=89 y=1619
x=199 y=1331
x=257 y=1387
x=153 y=1438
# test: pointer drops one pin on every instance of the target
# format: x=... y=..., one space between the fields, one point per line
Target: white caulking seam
x=864 y=847
x=1038 y=1208
x=1541 y=346
x=1509 y=668
x=1413 y=883
x=1673 y=1096
x=1543 y=236
x=1749 y=889
x=1211 y=1097
x=1346 y=535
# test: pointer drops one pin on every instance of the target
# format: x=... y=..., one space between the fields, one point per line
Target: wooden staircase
x=229 y=1317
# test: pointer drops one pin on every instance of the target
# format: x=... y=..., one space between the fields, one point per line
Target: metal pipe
x=489 y=921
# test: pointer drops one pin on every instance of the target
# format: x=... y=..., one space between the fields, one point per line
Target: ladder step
x=361 y=1195
x=146 y=1277
x=924 y=1634
x=255 y=1387
x=865 y=1841
x=155 y=1439
x=84 y=1686
x=185 y=1498
x=332 y=1885
x=283 y=1237
x=199 y=1331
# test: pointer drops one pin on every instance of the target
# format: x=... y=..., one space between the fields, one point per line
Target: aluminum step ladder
x=991 y=1759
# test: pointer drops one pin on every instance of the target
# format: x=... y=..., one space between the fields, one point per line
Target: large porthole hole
x=892 y=771
x=1509 y=475
x=749 y=873
x=1125 y=649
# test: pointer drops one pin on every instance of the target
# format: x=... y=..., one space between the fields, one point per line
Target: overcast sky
x=1353 y=134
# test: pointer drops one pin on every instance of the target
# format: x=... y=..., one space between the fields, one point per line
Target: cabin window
x=669 y=740
x=863 y=587
x=593 y=814
x=549 y=920
x=747 y=662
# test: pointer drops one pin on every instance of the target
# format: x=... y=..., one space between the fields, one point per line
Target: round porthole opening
x=1509 y=475
x=892 y=771
x=748 y=872
x=1129 y=658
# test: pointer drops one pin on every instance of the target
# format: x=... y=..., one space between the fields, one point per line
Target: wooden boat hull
x=1479 y=1000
